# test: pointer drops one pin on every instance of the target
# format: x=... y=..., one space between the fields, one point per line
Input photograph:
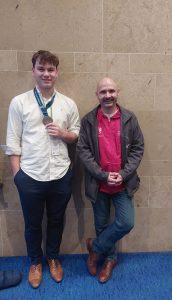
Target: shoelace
x=54 y=263
x=35 y=268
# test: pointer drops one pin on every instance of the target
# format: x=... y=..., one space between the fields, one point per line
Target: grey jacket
x=132 y=145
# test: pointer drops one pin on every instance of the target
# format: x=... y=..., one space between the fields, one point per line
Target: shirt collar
x=101 y=115
x=44 y=99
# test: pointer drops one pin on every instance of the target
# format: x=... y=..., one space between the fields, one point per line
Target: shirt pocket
x=59 y=148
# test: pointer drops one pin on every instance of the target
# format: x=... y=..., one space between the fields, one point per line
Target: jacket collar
x=125 y=114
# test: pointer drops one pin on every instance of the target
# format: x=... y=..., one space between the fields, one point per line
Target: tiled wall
x=131 y=42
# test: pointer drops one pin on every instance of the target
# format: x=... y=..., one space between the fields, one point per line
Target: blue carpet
x=137 y=276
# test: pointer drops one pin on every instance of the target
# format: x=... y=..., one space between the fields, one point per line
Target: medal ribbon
x=41 y=105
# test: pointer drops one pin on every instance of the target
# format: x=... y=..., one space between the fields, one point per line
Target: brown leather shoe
x=56 y=269
x=93 y=258
x=106 y=271
x=35 y=275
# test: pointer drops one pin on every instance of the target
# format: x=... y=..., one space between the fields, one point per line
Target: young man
x=41 y=123
x=111 y=148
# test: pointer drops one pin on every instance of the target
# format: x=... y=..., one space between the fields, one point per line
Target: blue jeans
x=107 y=234
x=34 y=195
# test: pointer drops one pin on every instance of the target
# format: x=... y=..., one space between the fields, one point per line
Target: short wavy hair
x=45 y=57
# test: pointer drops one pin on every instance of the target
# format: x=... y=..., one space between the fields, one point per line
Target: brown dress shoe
x=106 y=271
x=35 y=275
x=93 y=258
x=56 y=269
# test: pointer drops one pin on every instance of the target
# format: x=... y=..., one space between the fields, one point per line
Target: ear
x=118 y=90
x=57 y=72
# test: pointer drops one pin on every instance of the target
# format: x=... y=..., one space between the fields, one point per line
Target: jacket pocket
x=91 y=187
x=132 y=184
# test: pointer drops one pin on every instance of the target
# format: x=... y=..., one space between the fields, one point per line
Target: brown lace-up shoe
x=35 y=275
x=93 y=258
x=56 y=269
x=106 y=271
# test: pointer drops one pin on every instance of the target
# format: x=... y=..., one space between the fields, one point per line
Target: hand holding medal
x=54 y=130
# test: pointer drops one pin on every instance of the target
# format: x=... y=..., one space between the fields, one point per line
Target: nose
x=108 y=94
x=46 y=73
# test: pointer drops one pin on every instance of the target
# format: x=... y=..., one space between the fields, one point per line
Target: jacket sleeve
x=86 y=152
x=135 y=154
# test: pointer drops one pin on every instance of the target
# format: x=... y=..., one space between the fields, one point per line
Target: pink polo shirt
x=109 y=147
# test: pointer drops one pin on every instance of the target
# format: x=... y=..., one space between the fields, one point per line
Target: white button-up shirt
x=43 y=157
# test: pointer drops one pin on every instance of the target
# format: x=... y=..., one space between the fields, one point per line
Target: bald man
x=111 y=147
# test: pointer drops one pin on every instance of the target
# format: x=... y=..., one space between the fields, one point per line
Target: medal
x=46 y=120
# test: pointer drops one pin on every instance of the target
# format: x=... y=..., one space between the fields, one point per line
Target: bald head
x=107 y=94
x=106 y=81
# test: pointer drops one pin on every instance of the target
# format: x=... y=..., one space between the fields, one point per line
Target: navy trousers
x=34 y=195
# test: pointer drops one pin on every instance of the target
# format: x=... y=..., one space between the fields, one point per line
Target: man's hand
x=118 y=179
x=111 y=178
x=55 y=130
x=15 y=163
x=114 y=179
